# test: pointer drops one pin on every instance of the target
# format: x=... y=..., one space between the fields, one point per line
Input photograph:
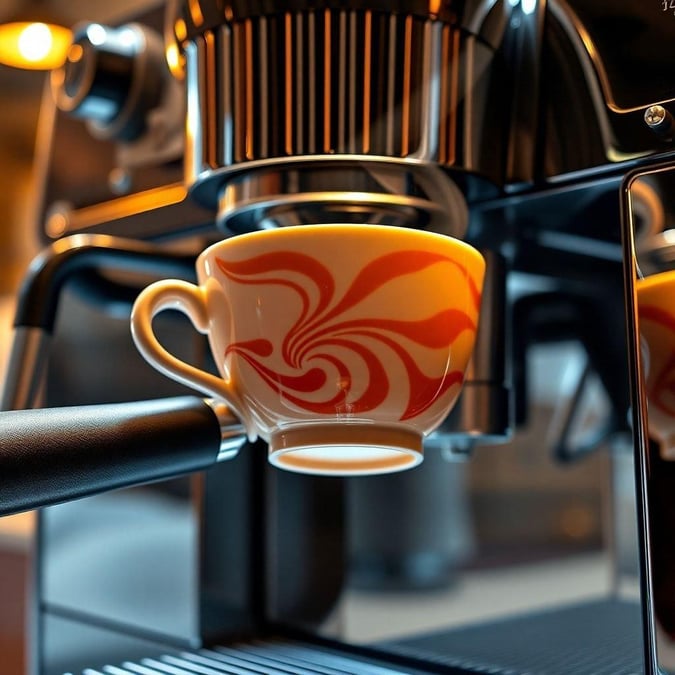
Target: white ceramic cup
x=342 y=346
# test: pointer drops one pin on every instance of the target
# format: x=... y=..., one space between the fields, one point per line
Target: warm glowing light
x=174 y=60
x=36 y=46
x=180 y=29
x=196 y=12
x=75 y=53
x=35 y=41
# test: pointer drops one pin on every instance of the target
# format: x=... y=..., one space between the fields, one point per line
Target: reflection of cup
x=656 y=313
x=342 y=346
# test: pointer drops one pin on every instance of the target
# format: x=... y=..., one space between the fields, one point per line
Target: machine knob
x=112 y=78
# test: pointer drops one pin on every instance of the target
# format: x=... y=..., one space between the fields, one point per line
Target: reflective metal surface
x=333 y=84
x=649 y=207
x=348 y=191
x=28 y=361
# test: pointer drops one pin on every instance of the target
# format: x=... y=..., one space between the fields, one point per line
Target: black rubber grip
x=54 y=455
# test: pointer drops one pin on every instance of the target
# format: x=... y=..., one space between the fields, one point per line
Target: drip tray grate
x=597 y=638
x=254 y=658
x=602 y=637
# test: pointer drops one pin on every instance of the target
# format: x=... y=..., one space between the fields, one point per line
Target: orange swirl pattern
x=321 y=326
x=661 y=392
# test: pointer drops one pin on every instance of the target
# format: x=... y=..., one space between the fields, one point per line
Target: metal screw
x=660 y=121
x=654 y=115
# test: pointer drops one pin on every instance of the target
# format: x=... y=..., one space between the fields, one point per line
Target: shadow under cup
x=656 y=315
x=342 y=346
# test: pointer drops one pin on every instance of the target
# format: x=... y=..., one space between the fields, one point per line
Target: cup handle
x=188 y=299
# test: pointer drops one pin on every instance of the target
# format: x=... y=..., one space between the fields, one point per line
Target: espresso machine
x=539 y=131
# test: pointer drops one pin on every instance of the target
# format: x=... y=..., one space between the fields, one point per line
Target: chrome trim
x=312 y=83
x=353 y=60
x=26 y=368
x=391 y=90
x=337 y=98
x=425 y=198
x=468 y=137
x=61 y=220
x=580 y=41
x=638 y=419
x=342 y=81
x=588 y=53
x=194 y=63
x=232 y=434
x=264 y=88
x=227 y=125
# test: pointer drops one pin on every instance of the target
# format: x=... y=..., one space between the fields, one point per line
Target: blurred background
x=20 y=93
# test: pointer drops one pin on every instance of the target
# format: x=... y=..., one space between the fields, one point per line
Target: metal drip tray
x=603 y=637
x=254 y=658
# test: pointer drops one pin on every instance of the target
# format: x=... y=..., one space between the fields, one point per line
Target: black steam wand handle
x=54 y=455
x=76 y=259
x=84 y=254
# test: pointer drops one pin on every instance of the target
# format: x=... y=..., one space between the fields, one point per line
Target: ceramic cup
x=656 y=315
x=342 y=346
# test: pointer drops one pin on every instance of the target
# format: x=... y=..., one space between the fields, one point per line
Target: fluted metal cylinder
x=393 y=91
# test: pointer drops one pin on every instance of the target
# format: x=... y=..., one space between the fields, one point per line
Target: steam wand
x=80 y=259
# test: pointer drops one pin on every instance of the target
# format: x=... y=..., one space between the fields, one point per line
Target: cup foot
x=345 y=449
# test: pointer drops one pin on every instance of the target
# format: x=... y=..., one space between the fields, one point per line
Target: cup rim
x=293 y=230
